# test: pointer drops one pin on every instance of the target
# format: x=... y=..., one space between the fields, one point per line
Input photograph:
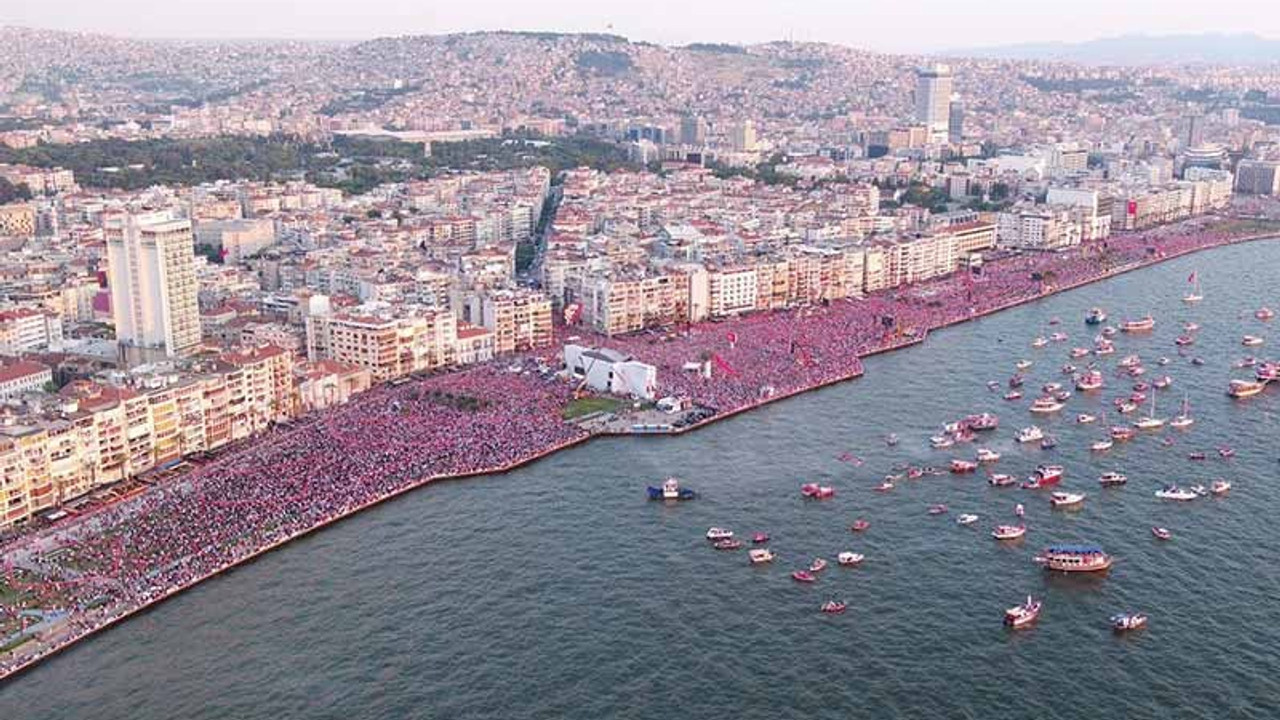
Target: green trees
x=13 y=193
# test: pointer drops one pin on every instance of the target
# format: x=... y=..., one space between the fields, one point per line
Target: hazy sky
x=895 y=25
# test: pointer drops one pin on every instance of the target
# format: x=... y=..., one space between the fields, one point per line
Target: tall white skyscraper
x=933 y=100
x=151 y=272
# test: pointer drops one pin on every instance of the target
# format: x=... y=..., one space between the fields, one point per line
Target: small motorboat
x=967 y=519
x=1197 y=361
x=815 y=491
x=804 y=576
x=1049 y=443
x=1023 y=364
x=760 y=538
x=937 y=509
x=1008 y=532
x=960 y=467
x=1162 y=383
x=1016 y=381
x=1095 y=317
x=671 y=490
x=1251 y=341
x=1112 y=479
x=818 y=565
x=891 y=439
x=859 y=525
x=1122 y=434
x=1080 y=352
x=1023 y=615
x=1062 y=395
x=1184 y=340
x=1173 y=492
x=1109 y=331
x=1086 y=418
x=1029 y=434
x=940 y=442
x=1002 y=480
x=1066 y=499
x=1102 y=445
x=848 y=559
x=987 y=455
x=761 y=555
x=1226 y=452
x=834 y=607
x=1013 y=395
x=884 y=486
x=1045 y=405
x=728 y=544
x=1069 y=369
x=1220 y=487
x=716 y=533
x=1199 y=490
x=1124 y=622
x=1019 y=510
x=1058 y=337
x=1264 y=313
x=1163 y=361
x=1196 y=456
x=1039 y=342
x=1190 y=326
x=1162 y=533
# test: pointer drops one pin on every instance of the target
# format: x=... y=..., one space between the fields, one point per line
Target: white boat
x=1086 y=418
x=1251 y=341
x=986 y=455
x=1173 y=492
x=1220 y=487
x=716 y=533
x=1112 y=478
x=1150 y=422
x=1008 y=532
x=1039 y=342
x=1194 y=296
x=847 y=558
x=939 y=442
x=761 y=555
x=1058 y=337
x=1066 y=499
x=1102 y=445
x=1023 y=364
x=1183 y=419
x=1022 y=615
x=1030 y=434
x=967 y=519
x=1045 y=405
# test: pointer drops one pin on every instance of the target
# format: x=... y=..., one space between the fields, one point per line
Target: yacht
x=1173 y=492
x=1045 y=405
x=1150 y=422
x=1029 y=434
x=1183 y=419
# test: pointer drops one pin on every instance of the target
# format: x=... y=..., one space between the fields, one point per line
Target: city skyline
x=929 y=27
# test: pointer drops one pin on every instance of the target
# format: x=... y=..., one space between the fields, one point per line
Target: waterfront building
x=519 y=319
x=151 y=271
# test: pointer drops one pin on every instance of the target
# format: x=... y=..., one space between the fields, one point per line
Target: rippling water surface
x=557 y=591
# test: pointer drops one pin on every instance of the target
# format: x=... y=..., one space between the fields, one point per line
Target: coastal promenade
x=105 y=568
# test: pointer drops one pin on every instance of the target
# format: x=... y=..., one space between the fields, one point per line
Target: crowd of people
x=103 y=567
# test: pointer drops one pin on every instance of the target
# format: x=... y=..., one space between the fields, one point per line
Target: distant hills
x=1209 y=48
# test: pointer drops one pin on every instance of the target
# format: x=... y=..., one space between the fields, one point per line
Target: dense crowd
x=486 y=419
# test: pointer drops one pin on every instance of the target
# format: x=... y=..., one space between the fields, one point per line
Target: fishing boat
x=1086 y=418
x=1008 y=532
x=1002 y=480
x=1220 y=487
x=1074 y=558
x=967 y=519
x=1143 y=324
x=834 y=607
x=1102 y=445
x=1066 y=499
x=1241 y=389
x=1162 y=533
x=1091 y=380
x=987 y=455
x=671 y=490
x=760 y=538
x=804 y=576
x=1023 y=615
x=1183 y=418
x=1045 y=405
x=849 y=559
x=1029 y=434
x=1251 y=341
x=815 y=491
x=759 y=556
x=959 y=467
x=729 y=544
x=1264 y=313
x=715 y=534
x=859 y=526
x=1173 y=492
x=1124 y=622
x=1112 y=479
x=1095 y=317
x=818 y=565
x=1194 y=296
x=937 y=509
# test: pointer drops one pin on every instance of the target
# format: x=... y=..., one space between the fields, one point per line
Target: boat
x=1029 y=434
x=1143 y=324
x=1162 y=383
x=1023 y=364
x=804 y=576
x=1077 y=353
x=1062 y=395
x=987 y=455
x=941 y=442
x=728 y=544
x=937 y=509
x=1173 y=492
x=1162 y=533
x=1198 y=455
x=818 y=565
x=884 y=486
x=1129 y=361
x=1023 y=615
x=859 y=526
x=1086 y=418
x=1190 y=326
x=1122 y=434
x=1039 y=342
x=1016 y=381
x=891 y=439
x=1049 y=474
x=1058 y=337
x=1109 y=331
x=716 y=533
x=1066 y=499
x=1048 y=443
x=849 y=559
x=1199 y=490
x=1112 y=479
x=1163 y=361
x=1220 y=487
x=1019 y=510
x=758 y=556
x=1183 y=418
x=834 y=607
x=1150 y=422
x=1008 y=532
x=1247 y=362
x=815 y=491
x=1068 y=369
x=1124 y=622
x=981 y=422
x=1095 y=317
x=1074 y=558
x=1194 y=296
x=1251 y=341
x=1051 y=388
x=1197 y=361
x=967 y=519
x=1241 y=389
x=1267 y=372
x=960 y=467
x=760 y=538
x=1104 y=348
x=1264 y=313
x=1102 y=445
x=1091 y=380
x=1013 y=395
x=1226 y=452
x=1001 y=480
x=671 y=490
x=1046 y=405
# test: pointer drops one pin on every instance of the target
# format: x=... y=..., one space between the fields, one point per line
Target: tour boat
x=818 y=565
x=1125 y=622
x=1001 y=480
x=1194 y=296
x=1077 y=353
x=884 y=486
x=1173 y=492
x=1008 y=532
x=987 y=455
x=1013 y=395
x=941 y=442
x=671 y=490
x=1086 y=418
x=1220 y=487
x=1039 y=342
x=804 y=576
x=967 y=519
x=1112 y=478
x=1251 y=341
x=1095 y=317
x=848 y=559
x=981 y=422
x=1074 y=558
x=1045 y=405
x=1023 y=615
x=960 y=467
x=728 y=544
x=1183 y=419
x=1244 y=388
x=1102 y=445
x=1264 y=313
x=716 y=533
x=1066 y=499
x=859 y=525
x=1023 y=364
x=1091 y=380
x=1143 y=324
x=937 y=509
x=834 y=607
x=817 y=492
x=1030 y=434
